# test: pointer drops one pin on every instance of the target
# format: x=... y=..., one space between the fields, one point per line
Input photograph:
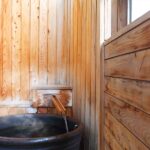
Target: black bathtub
x=38 y=132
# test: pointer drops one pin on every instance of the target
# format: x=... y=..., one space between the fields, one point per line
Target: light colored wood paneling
x=71 y=43
x=52 y=53
x=52 y=42
x=7 y=68
x=86 y=68
x=34 y=42
x=65 y=53
x=133 y=92
x=124 y=137
x=25 y=49
x=88 y=76
x=98 y=71
x=1 y=47
x=75 y=6
x=42 y=64
x=79 y=55
x=136 y=121
x=16 y=48
x=34 y=47
x=93 y=122
x=136 y=39
x=83 y=62
x=60 y=33
x=68 y=30
x=135 y=66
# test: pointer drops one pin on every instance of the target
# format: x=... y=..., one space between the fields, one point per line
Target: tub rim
x=12 y=141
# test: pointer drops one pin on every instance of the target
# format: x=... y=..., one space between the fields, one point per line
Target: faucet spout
x=60 y=108
x=58 y=104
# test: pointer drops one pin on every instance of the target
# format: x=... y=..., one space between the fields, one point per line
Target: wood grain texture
x=33 y=48
x=106 y=146
x=25 y=50
x=129 y=27
x=111 y=141
x=75 y=6
x=85 y=68
x=133 y=92
x=7 y=68
x=45 y=54
x=102 y=107
x=16 y=48
x=137 y=39
x=60 y=35
x=1 y=48
x=135 y=120
x=52 y=52
x=98 y=50
x=88 y=76
x=114 y=16
x=134 y=66
x=52 y=42
x=121 y=134
x=93 y=78
x=127 y=76
x=42 y=64
x=34 y=42
x=122 y=14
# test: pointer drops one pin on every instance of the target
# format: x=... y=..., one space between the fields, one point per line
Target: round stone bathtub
x=38 y=132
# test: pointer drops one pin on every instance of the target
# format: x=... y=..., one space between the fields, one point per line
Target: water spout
x=60 y=108
x=58 y=105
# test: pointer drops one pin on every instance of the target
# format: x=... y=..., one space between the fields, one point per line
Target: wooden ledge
x=52 y=87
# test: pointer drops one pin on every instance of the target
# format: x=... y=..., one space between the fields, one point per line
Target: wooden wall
x=85 y=68
x=34 y=45
x=119 y=15
x=44 y=42
x=127 y=88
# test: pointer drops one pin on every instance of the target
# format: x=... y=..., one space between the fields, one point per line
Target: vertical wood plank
x=75 y=9
x=122 y=13
x=7 y=71
x=71 y=42
x=98 y=71
x=93 y=77
x=79 y=55
x=60 y=27
x=102 y=105
x=65 y=53
x=83 y=71
x=43 y=42
x=114 y=16
x=88 y=75
x=34 y=43
x=68 y=30
x=52 y=41
x=1 y=48
x=59 y=46
x=25 y=49
x=16 y=48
